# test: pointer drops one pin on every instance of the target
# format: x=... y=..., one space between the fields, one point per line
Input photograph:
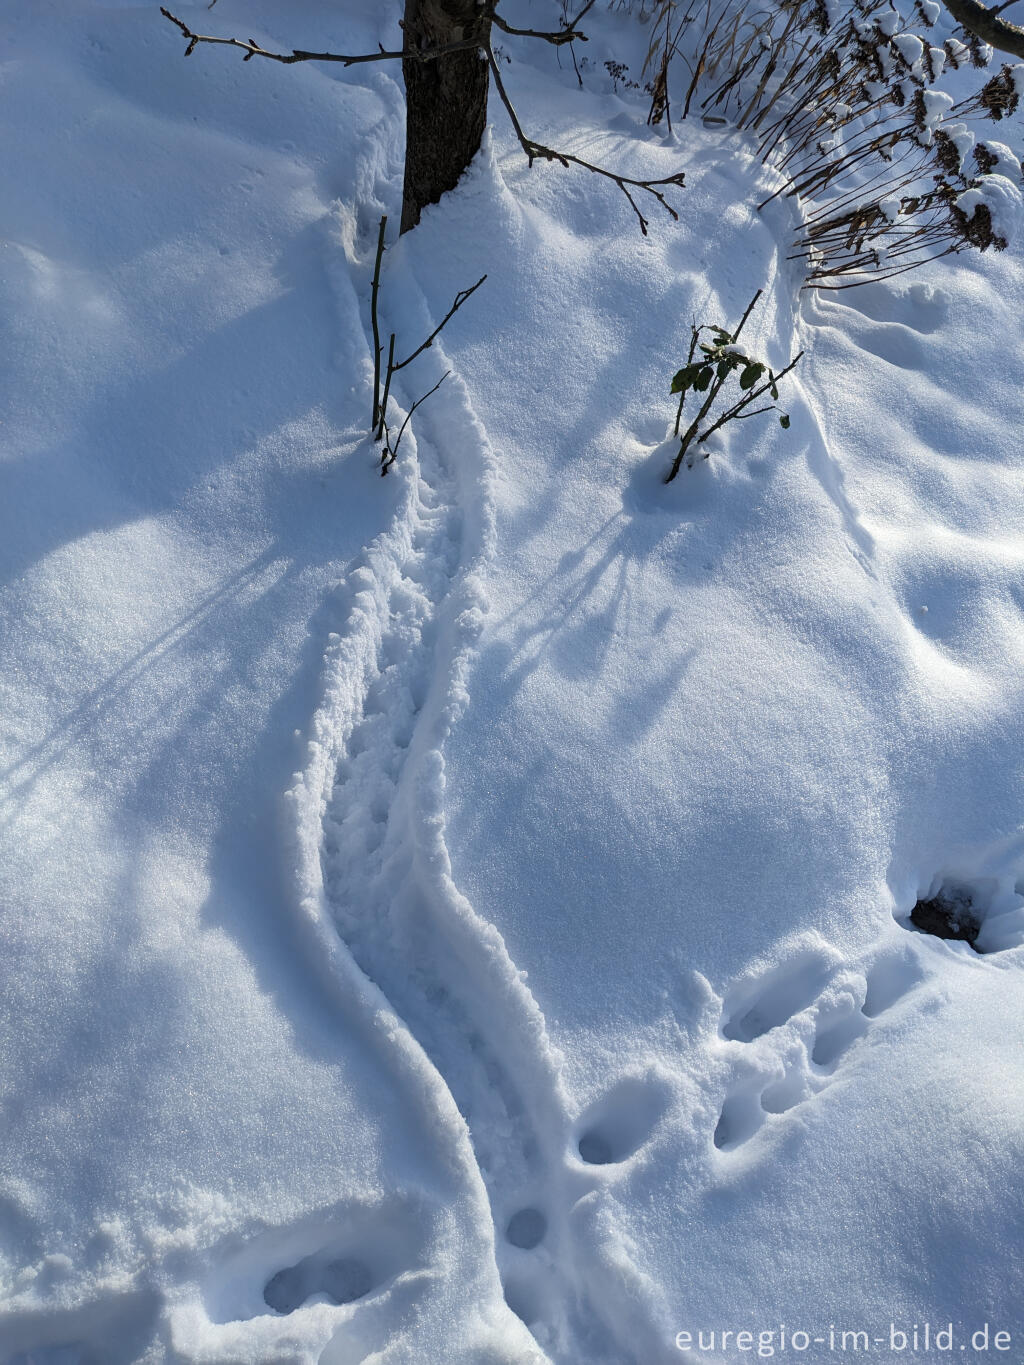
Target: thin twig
x=557 y=39
x=460 y=299
x=376 y=327
x=750 y=308
x=387 y=389
x=253 y=49
x=390 y=453
x=537 y=151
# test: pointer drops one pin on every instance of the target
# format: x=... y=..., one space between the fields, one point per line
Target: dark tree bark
x=446 y=99
x=447 y=62
x=987 y=25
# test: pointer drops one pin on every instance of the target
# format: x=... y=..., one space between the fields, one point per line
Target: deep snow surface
x=463 y=916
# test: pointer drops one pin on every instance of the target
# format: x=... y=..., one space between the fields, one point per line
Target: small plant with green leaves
x=710 y=366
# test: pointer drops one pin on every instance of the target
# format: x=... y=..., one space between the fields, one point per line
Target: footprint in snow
x=891 y=323
x=347 y=1255
x=795 y=1024
x=342 y=1280
x=616 y=1126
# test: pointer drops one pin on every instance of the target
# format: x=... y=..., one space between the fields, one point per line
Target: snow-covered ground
x=463 y=916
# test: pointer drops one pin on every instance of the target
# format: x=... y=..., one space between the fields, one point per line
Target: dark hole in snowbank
x=950 y=914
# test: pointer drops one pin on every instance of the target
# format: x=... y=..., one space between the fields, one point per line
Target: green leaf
x=774 y=391
x=683 y=378
x=703 y=379
x=751 y=375
x=784 y=421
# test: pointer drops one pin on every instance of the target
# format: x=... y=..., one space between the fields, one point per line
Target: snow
x=1003 y=200
x=464 y=916
x=910 y=48
x=962 y=138
x=936 y=105
x=1001 y=160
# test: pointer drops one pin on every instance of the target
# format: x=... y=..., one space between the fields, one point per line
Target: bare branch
x=374 y=292
x=460 y=299
x=568 y=34
x=382 y=425
x=537 y=151
x=986 y=24
x=741 y=416
x=743 y=319
x=253 y=49
x=390 y=453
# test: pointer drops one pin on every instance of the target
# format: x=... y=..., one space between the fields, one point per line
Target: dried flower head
x=999 y=96
x=978 y=229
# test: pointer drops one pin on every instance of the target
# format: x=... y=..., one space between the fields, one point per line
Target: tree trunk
x=446 y=100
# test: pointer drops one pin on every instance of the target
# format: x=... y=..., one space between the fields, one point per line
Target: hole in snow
x=759 y=1006
x=832 y=1042
x=982 y=913
x=595 y=1150
x=338 y=1255
x=345 y=1280
x=949 y=914
x=526 y=1228
x=741 y=1117
x=284 y=1292
x=620 y=1123
x=342 y=1280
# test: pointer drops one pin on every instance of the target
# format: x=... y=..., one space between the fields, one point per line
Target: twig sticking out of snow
x=380 y=429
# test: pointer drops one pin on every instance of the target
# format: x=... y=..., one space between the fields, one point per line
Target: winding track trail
x=376 y=872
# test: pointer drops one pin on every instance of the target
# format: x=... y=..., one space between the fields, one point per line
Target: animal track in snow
x=791 y=1029
x=341 y=1257
x=342 y=1280
x=376 y=876
x=759 y=1006
x=615 y=1127
x=442 y=968
x=921 y=307
x=526 y=1229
